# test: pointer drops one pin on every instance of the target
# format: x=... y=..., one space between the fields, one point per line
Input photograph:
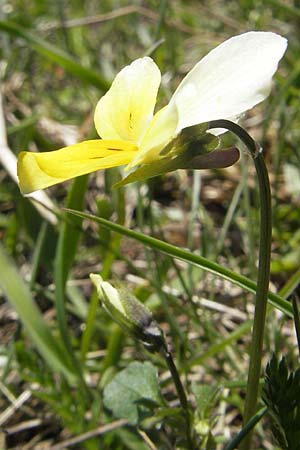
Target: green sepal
x=190 y=143
x=218 y=159
x=194 y=140
x=193 y=148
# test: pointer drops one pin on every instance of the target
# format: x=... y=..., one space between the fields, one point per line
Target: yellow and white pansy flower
x=231 y=79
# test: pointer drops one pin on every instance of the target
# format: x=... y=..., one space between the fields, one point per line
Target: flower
x=231 y=79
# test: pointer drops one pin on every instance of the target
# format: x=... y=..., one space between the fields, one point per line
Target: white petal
x=231 y=79
x=125 y=111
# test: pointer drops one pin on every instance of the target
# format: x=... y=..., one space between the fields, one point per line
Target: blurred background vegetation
x=57 y=59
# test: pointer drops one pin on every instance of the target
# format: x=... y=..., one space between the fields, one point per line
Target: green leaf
x=290 y=285
x=191 y=258
x=234 y=443
x=69 y=234
x=281 y=393
x=20 y=298
x=134 y=392
x=55 y=55
x=205 y=396
x=70 y=230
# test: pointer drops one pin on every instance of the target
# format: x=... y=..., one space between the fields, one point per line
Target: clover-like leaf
x=134 y=392
x=206 y=397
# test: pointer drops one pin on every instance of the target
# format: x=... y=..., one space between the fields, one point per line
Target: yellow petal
x=125 y=111
x=41 y=170
x=160 y=132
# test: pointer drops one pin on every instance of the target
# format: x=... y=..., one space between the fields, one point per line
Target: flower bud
x=202 y=427
x=132 y=316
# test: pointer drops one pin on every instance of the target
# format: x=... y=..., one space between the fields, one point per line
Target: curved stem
x=263 y=269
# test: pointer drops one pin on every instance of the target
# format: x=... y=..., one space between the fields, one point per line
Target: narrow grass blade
x=37 y=255
x=70 y=230
x=290 y=285
x=217 y=348
x=185 y=255
x=290 y=10
x=249 y=426
x=56 y=55
x=241 y=330
x=19 y=297
x=88 y=331
x=65 y=253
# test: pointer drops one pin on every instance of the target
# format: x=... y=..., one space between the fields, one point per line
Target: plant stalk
x=180 y=391
x=263 y=271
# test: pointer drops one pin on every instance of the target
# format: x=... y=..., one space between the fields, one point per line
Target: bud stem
x=180 y=391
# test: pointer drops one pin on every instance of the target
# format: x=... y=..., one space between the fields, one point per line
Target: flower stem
x=180 y=391
x=263 y=270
